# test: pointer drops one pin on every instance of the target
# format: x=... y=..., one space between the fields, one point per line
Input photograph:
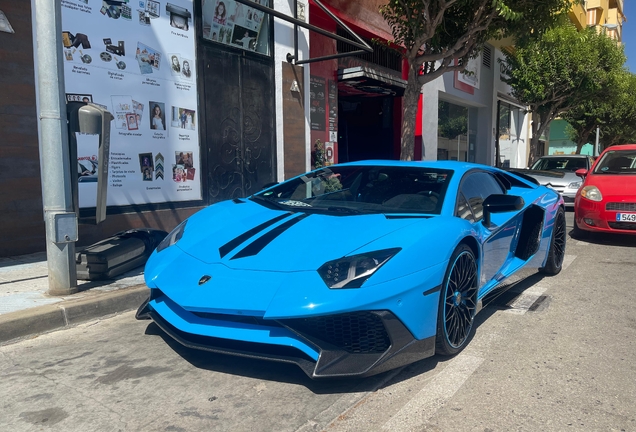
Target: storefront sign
x=137 y=59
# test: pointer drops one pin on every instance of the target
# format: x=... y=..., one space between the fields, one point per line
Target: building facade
x=197 y=118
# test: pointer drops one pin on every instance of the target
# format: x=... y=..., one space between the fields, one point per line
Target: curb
x=68 y=313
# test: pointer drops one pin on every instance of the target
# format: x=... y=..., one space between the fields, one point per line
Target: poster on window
x=136 y=58
x=317 y=101
x=235 y=24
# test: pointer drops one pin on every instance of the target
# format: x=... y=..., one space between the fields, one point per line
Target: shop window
x=452 y=131
x=232 y=23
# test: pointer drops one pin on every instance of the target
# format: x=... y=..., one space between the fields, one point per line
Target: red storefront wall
x=364 y=19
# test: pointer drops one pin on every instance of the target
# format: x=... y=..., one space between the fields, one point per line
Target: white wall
x=283 y=44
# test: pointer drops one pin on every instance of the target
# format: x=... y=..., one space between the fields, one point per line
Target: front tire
x=458 y=299
x=554 y=262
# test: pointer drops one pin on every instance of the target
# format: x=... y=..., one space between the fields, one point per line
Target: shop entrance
x=365 y=128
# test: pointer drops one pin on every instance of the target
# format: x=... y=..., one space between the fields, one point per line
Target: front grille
x=623 y=206
x=622 y=226
x=568 y=199
x=357 y=332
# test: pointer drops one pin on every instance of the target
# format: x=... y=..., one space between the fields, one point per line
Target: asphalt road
x=550 y=354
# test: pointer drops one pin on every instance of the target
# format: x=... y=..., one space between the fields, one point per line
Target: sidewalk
x=27 y=310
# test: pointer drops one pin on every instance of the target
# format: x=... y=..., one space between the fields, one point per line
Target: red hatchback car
x=606 y=201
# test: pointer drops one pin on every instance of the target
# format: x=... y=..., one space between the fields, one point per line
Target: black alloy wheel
x=458 y=302
x=556 y=254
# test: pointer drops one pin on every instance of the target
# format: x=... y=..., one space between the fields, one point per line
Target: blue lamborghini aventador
x=352 y=269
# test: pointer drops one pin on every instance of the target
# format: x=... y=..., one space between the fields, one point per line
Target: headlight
x=592 y=193
x=574 y=185
x=173 y=237
x=353 y=271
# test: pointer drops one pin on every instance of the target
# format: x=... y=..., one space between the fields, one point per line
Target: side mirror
x=581 y=172
x=497 y=203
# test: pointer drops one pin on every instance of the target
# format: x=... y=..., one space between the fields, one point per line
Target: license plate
x=625 y=217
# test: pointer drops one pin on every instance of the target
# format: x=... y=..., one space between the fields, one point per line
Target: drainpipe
x=59 y=213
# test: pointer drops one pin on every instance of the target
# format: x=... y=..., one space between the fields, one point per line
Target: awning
x=363 y=80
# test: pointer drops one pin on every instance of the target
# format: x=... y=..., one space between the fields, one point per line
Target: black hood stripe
x=259 y=244
x=233 y=244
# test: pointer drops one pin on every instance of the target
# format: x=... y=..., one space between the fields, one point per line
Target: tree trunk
x=409 y=103
x=534 y=141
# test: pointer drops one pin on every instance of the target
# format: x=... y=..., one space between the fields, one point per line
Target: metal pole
x=59 y=214
x=596 y=152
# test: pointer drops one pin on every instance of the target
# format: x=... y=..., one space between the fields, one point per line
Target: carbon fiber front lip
x=332 y=363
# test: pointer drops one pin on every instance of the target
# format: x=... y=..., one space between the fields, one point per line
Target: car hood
x=613 y=184
x=550 y=177
x=248 y=236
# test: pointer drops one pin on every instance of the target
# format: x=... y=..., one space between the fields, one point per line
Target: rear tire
x=556 y=253
x=458 y=300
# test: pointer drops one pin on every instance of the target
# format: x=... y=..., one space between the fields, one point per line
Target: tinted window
x=463 y=209
x=362 y=189
x=476 y=187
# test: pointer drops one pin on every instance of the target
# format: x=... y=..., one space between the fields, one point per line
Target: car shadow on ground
x=609 y=239
x=284 y=372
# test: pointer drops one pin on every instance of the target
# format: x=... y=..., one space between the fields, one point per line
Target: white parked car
x=558 y=172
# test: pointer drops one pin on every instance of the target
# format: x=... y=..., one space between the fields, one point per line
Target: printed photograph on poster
x=74 y=97
x=333 y=136
x=87 y=169
x=226 y=21
x=119 y=49
x=131 y=121
x=175 y=64
x=148 y=58
x=184 y=158
x=179 y=17
x=244 y=37
x=183 y=118
x=138 y=109
x=122 y=106
x=158 y=117
x=144 y=17
x=183 y=170
x=186 y=70
x=70 y=40
x=146 y=165
x=153 y=8
x=116 y=9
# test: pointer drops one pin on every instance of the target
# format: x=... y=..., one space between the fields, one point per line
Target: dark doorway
x=239 y=123
x=365 y=128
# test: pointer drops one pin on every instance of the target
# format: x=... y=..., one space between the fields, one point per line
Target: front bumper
x=354 y=344
x=601 y=216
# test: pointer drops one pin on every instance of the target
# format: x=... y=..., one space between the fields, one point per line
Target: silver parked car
x=558 y=172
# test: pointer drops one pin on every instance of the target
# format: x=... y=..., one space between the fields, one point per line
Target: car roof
x=621 y=147
x=563 y=156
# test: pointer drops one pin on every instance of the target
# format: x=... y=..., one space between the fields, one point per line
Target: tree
x=438 y=36
x=564 y=69
x=614 y=114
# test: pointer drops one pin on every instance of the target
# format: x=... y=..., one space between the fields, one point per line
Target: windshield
x=362 y=189
x=617 y=162
x=560 y=164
